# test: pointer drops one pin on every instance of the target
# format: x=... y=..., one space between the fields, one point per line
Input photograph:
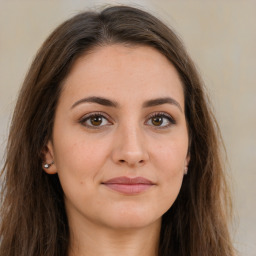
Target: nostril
x=123 y=161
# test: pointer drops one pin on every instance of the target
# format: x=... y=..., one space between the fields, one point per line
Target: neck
x=92 y=240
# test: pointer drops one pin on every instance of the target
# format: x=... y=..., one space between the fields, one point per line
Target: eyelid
x=171 y=120
x=87 y=116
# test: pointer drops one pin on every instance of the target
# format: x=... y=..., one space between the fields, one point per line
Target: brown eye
x=160 y=120
x=96 y=120
x=157 y=121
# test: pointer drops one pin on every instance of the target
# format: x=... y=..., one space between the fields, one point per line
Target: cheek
x=78 y=158
x=79 y=164
x=171 y=156
x=169 y=162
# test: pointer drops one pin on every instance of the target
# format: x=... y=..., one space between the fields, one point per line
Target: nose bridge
x=132 y=139
x=130 y=145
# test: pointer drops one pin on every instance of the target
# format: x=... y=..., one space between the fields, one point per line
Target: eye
x=160 y=120
x=95 y=120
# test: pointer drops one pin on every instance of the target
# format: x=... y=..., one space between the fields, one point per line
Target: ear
x=187 y=160
x=186 y=164
x=48 y=158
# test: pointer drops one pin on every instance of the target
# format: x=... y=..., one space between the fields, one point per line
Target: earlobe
x=48 y=159
x=186 y=164
x=187 y=159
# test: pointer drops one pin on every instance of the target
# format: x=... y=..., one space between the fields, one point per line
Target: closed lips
x=128 y=185
x=127 y=180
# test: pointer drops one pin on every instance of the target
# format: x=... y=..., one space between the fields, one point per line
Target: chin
x=132 y=219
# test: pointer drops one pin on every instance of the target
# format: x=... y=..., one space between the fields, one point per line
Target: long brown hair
x=33 y=218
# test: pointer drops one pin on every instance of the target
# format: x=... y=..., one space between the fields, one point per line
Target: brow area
x=98 y=100
x=161 y=101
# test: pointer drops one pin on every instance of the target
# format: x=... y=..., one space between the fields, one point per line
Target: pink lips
x=128 y=185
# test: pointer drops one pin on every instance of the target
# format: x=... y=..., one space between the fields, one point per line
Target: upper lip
x=128 y=180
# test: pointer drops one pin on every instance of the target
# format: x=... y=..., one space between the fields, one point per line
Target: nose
x=130 y=147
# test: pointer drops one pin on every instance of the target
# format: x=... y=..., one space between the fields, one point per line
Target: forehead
x=122 y=71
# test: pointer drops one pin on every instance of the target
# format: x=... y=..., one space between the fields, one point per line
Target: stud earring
x=47 y=166
x=185 y=170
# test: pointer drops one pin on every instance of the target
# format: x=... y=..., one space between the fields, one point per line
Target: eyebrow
x=99 y=100
x=110 y=103
x=161 y=101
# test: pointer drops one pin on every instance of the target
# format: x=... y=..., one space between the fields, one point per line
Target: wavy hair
x=33 y=217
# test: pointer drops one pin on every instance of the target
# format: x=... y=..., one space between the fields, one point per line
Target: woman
x=113 y=148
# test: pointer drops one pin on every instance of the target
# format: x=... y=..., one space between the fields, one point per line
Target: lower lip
x=129 y=189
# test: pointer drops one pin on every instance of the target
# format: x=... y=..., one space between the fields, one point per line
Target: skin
x=127 y=141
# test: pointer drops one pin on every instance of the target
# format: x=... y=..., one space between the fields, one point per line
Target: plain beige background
x=220 y=36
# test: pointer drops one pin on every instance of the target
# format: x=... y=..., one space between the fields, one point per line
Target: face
x=120 y=138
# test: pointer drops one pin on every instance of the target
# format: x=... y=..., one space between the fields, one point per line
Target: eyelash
x=89 y=116
x=163 y=115
x=92 y=115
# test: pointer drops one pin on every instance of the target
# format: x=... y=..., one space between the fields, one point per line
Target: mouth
x=129 y=186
